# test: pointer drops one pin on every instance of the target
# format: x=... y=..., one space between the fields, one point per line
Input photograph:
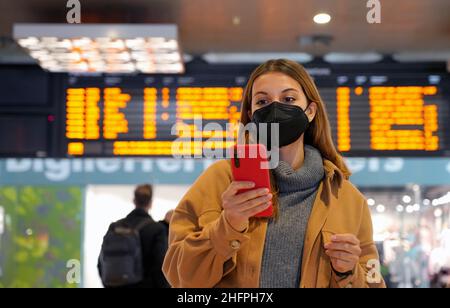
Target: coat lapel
x=319 y=215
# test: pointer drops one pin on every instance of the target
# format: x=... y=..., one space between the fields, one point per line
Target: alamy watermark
x=374 y=14
x=73 y=275
x=374 y=271
x=249 y=133
x=74 y=14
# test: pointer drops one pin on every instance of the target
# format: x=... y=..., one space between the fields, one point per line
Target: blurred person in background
x=321 y=232
x=439 y=262
x=166 y=221
x=134 y=247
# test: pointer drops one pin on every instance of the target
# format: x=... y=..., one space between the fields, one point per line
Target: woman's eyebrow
x=260 y=92
x=285 y=90
x=289 y=89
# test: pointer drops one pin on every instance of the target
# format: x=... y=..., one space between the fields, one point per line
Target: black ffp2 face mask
x=292 y=121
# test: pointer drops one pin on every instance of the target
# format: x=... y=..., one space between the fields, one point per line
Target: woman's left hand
x=344 y=252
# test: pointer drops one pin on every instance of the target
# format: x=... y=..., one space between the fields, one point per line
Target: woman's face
x=275 y=86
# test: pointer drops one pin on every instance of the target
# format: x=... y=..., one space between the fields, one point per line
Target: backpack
x=121 y=257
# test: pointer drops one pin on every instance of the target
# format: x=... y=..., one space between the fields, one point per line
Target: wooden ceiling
x=262 y=25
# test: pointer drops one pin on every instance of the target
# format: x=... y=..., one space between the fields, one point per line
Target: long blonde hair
x=318 y=133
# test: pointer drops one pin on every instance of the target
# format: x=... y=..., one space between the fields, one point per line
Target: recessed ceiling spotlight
x=322 y=18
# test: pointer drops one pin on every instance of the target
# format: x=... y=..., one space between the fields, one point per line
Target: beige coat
x=205 y=251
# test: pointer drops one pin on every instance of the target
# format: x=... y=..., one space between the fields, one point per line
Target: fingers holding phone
x=239 y=207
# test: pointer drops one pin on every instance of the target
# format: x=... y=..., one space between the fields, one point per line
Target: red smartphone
x=246 y=165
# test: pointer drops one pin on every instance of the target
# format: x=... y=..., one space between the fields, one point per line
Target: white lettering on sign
x=391 y=165
x=356 y=164
x=394 y=164
x=60 y=170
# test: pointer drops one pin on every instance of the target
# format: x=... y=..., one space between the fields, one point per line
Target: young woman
x=321 y=232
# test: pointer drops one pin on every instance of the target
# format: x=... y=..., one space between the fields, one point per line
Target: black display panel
x=24 y=136
x=24 y=86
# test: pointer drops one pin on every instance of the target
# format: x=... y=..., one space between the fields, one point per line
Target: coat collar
x=138 y=212
x=332 y=172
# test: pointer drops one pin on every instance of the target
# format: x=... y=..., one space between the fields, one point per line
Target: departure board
x=166 y=116
x=388 y=118
x=150 y=121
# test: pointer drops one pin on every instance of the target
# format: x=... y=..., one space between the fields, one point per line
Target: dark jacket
x=166 y=226
x=154 y=246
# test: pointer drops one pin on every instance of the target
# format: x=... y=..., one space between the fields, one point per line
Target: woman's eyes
x=288 y=99
x=261 y=102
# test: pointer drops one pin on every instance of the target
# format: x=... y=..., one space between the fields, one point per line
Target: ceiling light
x=437 y=213
x=256 y=57
x=433 y=56
x=322 y=18
x=102 y=48
x=345 y=57
x=445 y=199
x=381 y=208
x=406 y=199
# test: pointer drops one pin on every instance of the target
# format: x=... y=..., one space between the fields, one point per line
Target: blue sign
x=366 y=171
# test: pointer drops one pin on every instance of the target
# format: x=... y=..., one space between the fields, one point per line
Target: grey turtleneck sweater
x=283 y=248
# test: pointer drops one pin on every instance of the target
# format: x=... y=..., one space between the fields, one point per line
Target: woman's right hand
x=238 y=208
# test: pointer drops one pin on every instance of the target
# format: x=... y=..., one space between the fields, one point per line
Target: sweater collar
x=308 y=176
